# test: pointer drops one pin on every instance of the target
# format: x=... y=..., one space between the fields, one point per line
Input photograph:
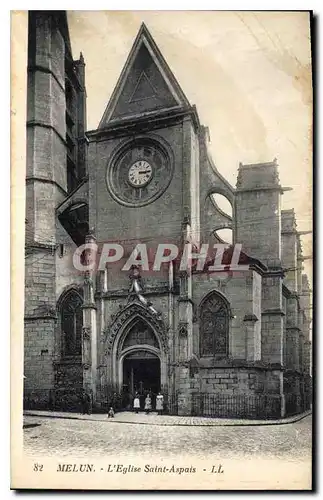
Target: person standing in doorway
x=148 y=403
x=136 y=403
x=159 y=403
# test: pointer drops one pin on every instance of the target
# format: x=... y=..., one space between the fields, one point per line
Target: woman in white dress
x=148 y=403
x=136 y=403
x=159 y=403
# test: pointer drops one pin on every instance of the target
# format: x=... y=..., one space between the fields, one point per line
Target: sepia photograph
x=162 y=194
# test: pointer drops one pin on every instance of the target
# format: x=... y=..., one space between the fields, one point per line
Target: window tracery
x=139 y=334
x=71 y=324
x=214 y=326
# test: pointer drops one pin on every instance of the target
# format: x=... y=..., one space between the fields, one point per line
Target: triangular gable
x=146 y=84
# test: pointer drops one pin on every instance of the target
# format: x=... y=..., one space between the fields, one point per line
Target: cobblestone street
x=63 y=437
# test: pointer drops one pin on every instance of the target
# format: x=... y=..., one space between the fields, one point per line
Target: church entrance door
x=141 y=373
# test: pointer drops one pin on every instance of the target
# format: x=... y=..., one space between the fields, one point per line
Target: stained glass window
x=140 y=333
x=71 y=324
x=214 y=326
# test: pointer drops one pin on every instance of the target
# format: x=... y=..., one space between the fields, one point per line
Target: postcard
x=161 y=250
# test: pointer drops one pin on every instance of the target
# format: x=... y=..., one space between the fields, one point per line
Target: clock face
x=140 y=172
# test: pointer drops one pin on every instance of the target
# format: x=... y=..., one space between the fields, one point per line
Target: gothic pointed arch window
x=214 y=326
x=71 y=323
x=140 y=333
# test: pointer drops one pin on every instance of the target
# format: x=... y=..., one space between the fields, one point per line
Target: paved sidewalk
x=164 y=420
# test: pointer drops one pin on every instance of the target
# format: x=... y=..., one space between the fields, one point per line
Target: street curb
x=256 y=423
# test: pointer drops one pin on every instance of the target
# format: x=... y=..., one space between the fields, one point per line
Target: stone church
x=216 y=344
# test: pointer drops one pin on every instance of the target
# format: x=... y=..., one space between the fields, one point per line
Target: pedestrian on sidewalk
x=159 y=403
x=111 y=413
x=86 y=403
x=148 y=403
x=136 y=403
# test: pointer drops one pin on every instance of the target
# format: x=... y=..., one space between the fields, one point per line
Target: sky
x=248 y=73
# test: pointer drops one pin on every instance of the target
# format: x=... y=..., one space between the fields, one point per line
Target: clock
x=140 y=171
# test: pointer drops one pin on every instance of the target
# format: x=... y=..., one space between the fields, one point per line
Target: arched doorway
x=137 y=343
x=139 y=361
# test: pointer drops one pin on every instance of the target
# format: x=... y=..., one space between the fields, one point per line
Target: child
x=111 y=413
x=148 y=404
x=136 y=403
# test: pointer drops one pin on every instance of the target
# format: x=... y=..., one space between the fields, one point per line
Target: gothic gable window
x=140 y=333
x=71 y=324
x=214 y=326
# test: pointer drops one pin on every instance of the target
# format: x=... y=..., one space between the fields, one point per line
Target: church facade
x=229 y=342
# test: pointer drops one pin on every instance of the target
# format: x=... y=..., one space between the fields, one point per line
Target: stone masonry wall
x=114 y=221
x=38 y=369
x=236 y=380
x=40 y=306
x=258 y=219
x=272 y=328
x=238 y=290
x=237 y=392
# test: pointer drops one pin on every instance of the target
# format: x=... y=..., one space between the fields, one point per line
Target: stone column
x=300 y=267
x=282 y=395
x=185 y=317
x=292 y=334
x=89 y=352
x=307 y=357
x=185 y=343
x=184 y=396
x=293 y=331
x=171 y=330
x=289 y=248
